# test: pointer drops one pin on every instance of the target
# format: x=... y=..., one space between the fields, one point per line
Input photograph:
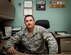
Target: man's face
x=29 y=22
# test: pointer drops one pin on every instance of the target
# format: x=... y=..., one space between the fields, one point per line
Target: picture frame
x=28 y=11
x=28 y=3
x=28 y=7
x=57 y=4
x=40 y=5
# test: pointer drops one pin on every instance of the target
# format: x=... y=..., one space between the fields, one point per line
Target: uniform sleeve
x=52 y=43
x=11 y=42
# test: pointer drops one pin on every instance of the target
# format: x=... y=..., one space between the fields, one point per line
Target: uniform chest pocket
x=38 y=36
x=38 y=39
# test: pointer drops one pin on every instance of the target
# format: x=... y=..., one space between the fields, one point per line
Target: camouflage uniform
x=35 y=42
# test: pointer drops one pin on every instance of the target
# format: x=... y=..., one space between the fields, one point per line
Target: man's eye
x=26 y=21
x=30 y=20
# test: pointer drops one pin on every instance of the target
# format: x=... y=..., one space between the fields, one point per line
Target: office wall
x=59 y=18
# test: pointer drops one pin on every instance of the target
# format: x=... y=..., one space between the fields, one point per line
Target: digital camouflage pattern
x=34 y=42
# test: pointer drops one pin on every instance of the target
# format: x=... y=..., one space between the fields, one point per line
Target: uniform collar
x=34 y=31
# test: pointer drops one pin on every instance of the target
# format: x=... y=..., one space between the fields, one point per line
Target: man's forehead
x=28 y=18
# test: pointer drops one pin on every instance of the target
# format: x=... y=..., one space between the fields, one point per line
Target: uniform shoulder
x=39 y=27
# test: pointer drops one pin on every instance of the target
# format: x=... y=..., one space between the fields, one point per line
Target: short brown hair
x=28 y=16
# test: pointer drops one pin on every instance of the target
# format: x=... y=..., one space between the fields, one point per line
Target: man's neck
x=30 y=30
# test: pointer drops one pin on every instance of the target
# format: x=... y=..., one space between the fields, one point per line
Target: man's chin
x=29 y=27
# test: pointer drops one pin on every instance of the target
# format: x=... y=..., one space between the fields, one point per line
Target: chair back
x=44 y=23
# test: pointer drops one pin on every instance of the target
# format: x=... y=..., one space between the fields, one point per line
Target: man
x=33 y=38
